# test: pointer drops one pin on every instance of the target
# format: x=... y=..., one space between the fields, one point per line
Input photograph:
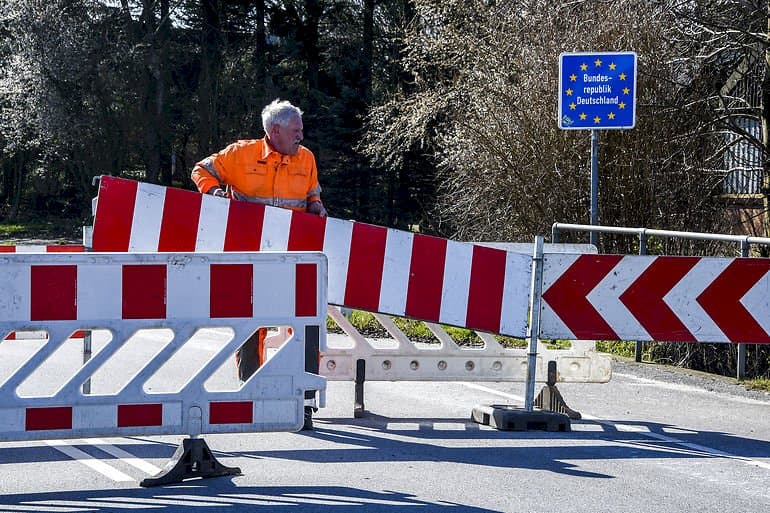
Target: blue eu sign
x=597 y=91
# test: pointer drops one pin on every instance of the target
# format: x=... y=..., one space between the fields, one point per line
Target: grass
x=59 y=230
x=417 y=331
x=762 y=384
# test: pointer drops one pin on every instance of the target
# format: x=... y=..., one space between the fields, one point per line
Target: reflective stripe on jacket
x=255 y=172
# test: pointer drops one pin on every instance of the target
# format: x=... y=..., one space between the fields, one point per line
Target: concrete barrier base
x=513 y=418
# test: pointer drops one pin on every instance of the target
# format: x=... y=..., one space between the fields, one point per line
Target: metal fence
x=744 y=241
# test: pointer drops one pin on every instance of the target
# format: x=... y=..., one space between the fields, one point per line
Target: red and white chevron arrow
x=370 y=267
x=665 y=298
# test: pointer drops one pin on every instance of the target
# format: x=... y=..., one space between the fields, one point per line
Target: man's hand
x=317 y=208
x=218 y=192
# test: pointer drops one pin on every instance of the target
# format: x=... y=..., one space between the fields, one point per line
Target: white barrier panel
x=180 y=292
x=401 y=359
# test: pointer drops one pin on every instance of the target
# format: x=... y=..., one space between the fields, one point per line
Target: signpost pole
x=594 y=185
x=597 y=91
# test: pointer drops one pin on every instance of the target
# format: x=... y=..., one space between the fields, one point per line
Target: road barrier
x=184 y=293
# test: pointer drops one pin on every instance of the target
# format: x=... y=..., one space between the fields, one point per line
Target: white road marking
x=686 y=388
x=642 y=430
x=127 y=457
x=29 y=506
x=89 y=461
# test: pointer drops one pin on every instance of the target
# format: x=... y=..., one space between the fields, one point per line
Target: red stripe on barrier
x=53 y=292
x=7 y=249
x=11 y=336
x=231 y=290
x=179 y=225
x=139 y=415
x=244 y=226
x=305 y=298
x=144 y=291
x=367 y=254
x=37 y=419
x=485 y=295
x=306 y=232
x=231 y=412
x=65 y=248
x=114 y=214
x=426 y=277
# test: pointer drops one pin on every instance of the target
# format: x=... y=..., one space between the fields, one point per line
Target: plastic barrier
x=183 y=293
x=401 y=359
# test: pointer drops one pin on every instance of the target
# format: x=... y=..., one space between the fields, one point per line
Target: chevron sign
x=665 y=298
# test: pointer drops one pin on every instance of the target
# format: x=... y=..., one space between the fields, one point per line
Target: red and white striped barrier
x=370 y=267
x=664 y=298
x=44 y=248
x=123 y=293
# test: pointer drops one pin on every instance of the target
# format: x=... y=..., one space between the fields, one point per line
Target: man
x=275 y=170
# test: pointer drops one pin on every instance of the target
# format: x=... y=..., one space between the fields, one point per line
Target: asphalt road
x=651 y=441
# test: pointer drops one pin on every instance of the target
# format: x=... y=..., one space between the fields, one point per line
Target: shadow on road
x=632 y=440
x=221 y=494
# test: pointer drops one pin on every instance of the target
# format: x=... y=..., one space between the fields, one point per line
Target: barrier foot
x=512 y=418
x=192 y=458
x=550 y=399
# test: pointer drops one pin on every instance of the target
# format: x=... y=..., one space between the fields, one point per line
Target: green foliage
x=758 y=384
x=416 y=330
x=52 y=229
x=626 y=349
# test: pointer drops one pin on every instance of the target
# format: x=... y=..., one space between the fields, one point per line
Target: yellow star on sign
x=583 y=67
x=572 y=77
x=626 y=90
x=598 y=63
x=611 y=115
x=612 y=66
x=569 y=92
x=622 y=76
x=622 y=105
x=583 y=116
x=572 y=106
x=597 y=120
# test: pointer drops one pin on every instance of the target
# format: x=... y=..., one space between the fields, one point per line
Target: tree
x=484 y=104
x=725 y=46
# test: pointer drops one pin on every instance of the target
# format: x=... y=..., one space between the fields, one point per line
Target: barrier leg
x=312 y=357
x=358 y=402
x=192 y=458
x=550 y=399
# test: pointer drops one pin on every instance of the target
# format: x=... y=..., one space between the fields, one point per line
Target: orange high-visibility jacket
x=252 y=171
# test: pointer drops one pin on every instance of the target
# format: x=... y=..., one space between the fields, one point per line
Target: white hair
x=279 y=113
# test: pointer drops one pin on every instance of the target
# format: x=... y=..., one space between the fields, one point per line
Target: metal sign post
x=597 y=91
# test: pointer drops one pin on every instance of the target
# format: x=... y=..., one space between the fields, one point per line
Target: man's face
x=286 y=139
